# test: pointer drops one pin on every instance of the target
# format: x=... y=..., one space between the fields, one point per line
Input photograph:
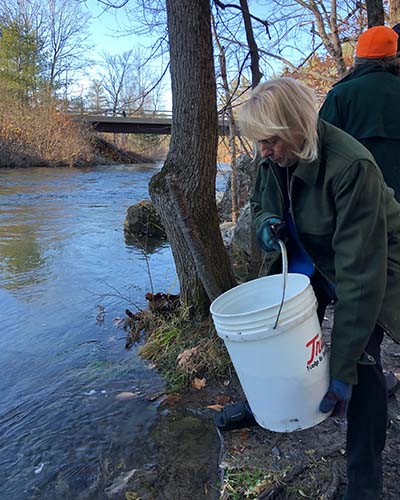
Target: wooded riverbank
x=42 y=136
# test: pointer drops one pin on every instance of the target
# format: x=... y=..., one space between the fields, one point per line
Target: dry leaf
x=223 y=399
x=238 y=448
x=171 y=399
x=199 y=383
x=215 y=407
x=260 y=487
x=131 y=495
x=244 y=435
x=184 y=357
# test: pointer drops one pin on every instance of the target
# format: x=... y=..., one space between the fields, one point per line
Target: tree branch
x=223 y=6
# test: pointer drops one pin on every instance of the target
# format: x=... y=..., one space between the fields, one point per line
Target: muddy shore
x=188 y=458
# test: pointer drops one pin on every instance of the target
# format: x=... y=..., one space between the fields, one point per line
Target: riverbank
x=107 y=153
x=42 y=136
x=99 y=152
x=253 y=463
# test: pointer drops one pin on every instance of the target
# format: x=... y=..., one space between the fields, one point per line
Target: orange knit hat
x=376 y=42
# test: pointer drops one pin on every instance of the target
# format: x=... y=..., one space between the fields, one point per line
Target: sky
x=104 y=27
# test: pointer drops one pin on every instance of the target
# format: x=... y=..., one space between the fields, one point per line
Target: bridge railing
x=121 y=112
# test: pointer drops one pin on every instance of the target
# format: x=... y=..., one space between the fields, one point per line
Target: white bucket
x=284 y=371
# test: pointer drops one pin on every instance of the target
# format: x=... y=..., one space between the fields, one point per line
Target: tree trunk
x=375 y=13
x=192 y=155
x=231 y=123
x=394 y=12
x=256 y=74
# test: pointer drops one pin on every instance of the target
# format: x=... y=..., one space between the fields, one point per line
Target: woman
x=344 y=223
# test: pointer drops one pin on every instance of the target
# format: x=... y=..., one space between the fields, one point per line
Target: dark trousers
x=366 y=418
x=366 y=427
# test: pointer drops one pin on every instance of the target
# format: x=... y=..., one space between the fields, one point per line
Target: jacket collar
x=362 y=70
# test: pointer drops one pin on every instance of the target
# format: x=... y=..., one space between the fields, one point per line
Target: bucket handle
x=285 y=276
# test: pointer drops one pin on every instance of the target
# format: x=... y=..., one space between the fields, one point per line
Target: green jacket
x=349 y=223
x=366 y=105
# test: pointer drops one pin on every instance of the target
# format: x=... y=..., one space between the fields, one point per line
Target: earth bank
x=190 y=458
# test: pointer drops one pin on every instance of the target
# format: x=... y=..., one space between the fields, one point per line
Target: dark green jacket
x=349 y=223
x=366 y=105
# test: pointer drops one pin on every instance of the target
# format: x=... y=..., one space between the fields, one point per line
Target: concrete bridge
x=134 y=124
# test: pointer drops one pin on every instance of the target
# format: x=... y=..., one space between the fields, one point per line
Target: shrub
x=40 y=135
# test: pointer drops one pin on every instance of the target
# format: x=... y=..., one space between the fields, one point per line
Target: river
x=66 y=276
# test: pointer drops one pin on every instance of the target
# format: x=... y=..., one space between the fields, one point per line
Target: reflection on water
x=63 y=258
x=20 y=256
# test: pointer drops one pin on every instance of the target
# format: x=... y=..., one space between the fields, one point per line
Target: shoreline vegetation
x=42 y=136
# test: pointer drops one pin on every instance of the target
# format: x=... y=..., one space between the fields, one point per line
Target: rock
x=125 y=395
x=242 y=230
x=142 y=219
x=227 y=229
x=218 y=197
x=246 y=175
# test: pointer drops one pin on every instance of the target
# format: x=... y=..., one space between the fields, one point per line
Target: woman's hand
x=337 y=398
x=272 y=230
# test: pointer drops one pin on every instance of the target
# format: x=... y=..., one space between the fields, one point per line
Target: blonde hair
x=284 y=108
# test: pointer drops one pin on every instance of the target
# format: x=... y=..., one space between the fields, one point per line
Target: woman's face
x=277 y=150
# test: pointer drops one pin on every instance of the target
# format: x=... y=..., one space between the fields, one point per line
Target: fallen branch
x=276 y=489
x=330 y=493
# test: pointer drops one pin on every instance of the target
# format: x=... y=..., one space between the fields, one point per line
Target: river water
x=66 y=275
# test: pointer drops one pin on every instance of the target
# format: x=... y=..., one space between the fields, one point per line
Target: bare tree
x=127 y=82
x=189 y=212
x=67 y=39
x=394 y=12
x=115 y=78
x=95 y=98
x=315 y=25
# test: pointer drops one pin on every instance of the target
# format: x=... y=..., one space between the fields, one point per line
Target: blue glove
x=337 y=398
x=272 y=230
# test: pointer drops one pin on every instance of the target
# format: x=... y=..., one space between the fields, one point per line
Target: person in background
x=341 y=217
x=366 y=102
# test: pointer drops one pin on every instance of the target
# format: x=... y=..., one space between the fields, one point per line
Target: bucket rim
x=263 y=278
x=267 y=331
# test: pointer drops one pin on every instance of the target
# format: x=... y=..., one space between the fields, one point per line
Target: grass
x=245 y=483
x=183 y=349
